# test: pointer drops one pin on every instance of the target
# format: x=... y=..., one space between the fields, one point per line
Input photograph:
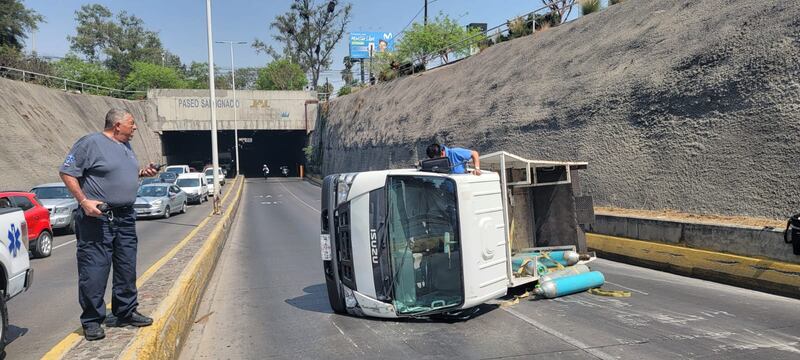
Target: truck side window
x=23 y=202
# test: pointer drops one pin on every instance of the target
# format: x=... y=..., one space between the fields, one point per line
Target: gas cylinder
x=570 y=284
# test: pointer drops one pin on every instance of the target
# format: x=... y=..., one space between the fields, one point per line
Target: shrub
x=344 y=90
x=590 y=6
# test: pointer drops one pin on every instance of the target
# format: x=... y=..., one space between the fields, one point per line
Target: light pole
x=214 y=155
x=235 y=104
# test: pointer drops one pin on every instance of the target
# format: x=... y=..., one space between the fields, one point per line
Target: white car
x=195 y=186
x=177 y=169
x=209 y=173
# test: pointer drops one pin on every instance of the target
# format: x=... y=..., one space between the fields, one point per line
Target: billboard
x=362 y=42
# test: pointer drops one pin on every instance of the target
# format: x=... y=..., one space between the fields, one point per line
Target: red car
x=40 y=233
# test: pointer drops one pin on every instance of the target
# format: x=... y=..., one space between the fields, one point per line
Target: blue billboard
x=364 y=43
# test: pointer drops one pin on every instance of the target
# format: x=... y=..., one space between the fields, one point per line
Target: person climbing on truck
x=458 y=157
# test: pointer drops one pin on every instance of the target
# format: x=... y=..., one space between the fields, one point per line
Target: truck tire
x=4 y=329
x=336 y=296
x=44 y=245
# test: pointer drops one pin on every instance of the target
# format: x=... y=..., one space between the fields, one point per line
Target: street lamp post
x=235 y=105
x=214 y=154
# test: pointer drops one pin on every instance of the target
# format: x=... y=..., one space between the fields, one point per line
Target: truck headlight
x=343 y=187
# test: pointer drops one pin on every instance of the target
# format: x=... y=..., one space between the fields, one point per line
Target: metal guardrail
x=59 y=82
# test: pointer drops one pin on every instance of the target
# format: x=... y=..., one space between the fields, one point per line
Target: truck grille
x=344 y=246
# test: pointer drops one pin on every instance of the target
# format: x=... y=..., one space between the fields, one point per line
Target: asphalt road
x=49 y=310
x=267 y=300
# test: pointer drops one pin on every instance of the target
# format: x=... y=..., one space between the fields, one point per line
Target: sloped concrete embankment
x=39 y=125
x=675 y=104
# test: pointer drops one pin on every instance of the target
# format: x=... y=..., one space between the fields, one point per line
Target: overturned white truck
x=413 y=242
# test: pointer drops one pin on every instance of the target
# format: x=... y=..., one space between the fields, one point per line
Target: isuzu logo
x=373 y=244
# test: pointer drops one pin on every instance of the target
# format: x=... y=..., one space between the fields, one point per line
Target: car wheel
x=183 y=208
x=44 y=245
x=166 y=212
x=4 y=329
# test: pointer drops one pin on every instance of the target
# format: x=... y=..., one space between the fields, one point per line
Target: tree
x=196 y=76
x=123 y=40
x=347 y=72
x=325 y=88
x=281 y=75
x=145 y=76
x=562 y=8
x=309 y=33
x=441 y=37
x=15 y=20
x=73 y=68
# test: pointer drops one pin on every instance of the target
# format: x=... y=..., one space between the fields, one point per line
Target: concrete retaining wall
x=39 y=126
x=740 y=240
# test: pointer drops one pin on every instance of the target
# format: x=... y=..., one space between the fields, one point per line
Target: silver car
x=159 y=200
x=60 y=203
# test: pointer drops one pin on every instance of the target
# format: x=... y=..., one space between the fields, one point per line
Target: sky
x=181 y=24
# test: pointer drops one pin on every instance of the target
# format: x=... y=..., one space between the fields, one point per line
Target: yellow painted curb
x=67 y=343
x=695 y=260
x=175 y=314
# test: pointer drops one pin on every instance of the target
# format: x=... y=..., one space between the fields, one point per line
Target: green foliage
x=281 y=75
x=589 y=6
x=614 y=2
x=347 y=72
x=520 y=26
x=344 y=90
x=76 y=69
x=309 y=33
x=326 y=88
x=145 y=76
x=309 y=152
x=442 y=37
x=15 y=20
x=122 y=40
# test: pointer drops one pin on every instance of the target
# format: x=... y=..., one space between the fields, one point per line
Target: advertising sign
x=364 y=43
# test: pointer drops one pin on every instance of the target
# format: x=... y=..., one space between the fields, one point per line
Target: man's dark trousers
x=101 y=244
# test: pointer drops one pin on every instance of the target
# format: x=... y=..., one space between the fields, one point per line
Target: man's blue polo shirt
x=458 y=159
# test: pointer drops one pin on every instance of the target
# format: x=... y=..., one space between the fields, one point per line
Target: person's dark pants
x=101 y=245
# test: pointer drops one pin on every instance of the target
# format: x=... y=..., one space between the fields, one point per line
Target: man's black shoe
x=93 y=331
x=136 y=319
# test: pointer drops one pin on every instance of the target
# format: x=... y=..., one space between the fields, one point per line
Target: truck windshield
x=424 y=244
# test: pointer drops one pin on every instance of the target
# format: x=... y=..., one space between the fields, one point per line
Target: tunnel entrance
x=275 y=148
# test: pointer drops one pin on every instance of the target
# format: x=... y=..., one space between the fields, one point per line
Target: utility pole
x=214 y=154
x=426 y=13
x=235 y=103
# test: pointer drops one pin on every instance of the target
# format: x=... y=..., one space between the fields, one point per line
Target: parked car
x=16 y=275
x=60 y=203
x=177 y=169
x=209 y=173
x=40 y=234
x=148 y=181
x=168 y=177
x=159 y=200
x=194 y=184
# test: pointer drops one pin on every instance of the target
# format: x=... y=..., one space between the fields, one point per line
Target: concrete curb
x=314 y=180
x=759 y=274
x=175 y=314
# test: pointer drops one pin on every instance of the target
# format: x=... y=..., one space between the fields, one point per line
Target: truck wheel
x=336 y=296
x=166 y=212
x=4 y=329
x=44 y=245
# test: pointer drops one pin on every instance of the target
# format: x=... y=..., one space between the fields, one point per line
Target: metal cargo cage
x=544 y=207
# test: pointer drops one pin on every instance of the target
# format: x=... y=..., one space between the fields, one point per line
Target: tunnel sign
x=246 y=140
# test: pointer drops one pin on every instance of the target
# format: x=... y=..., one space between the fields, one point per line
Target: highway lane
x=267 y=300
x=45 y=314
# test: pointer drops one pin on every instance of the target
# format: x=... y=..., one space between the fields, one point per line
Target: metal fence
x=67 y=84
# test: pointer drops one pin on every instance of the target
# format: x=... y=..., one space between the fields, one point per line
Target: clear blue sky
x=181 y=24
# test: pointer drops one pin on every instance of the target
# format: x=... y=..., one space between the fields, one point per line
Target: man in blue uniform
x=458 y=158
x=101 y=168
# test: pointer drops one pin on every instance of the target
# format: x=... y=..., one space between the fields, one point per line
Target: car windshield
x=152 y=191
x=424 y=243
x=54 y=192
x=209 y=172
x=174 y=170
x=167 y=177
x=150 y=181
x=188 y=182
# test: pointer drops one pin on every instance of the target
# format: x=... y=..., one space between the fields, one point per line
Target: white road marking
x=298 y=199
x=65 y=244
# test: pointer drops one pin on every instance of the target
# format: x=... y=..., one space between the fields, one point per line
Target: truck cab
x=16 y=275
x=412 y=243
